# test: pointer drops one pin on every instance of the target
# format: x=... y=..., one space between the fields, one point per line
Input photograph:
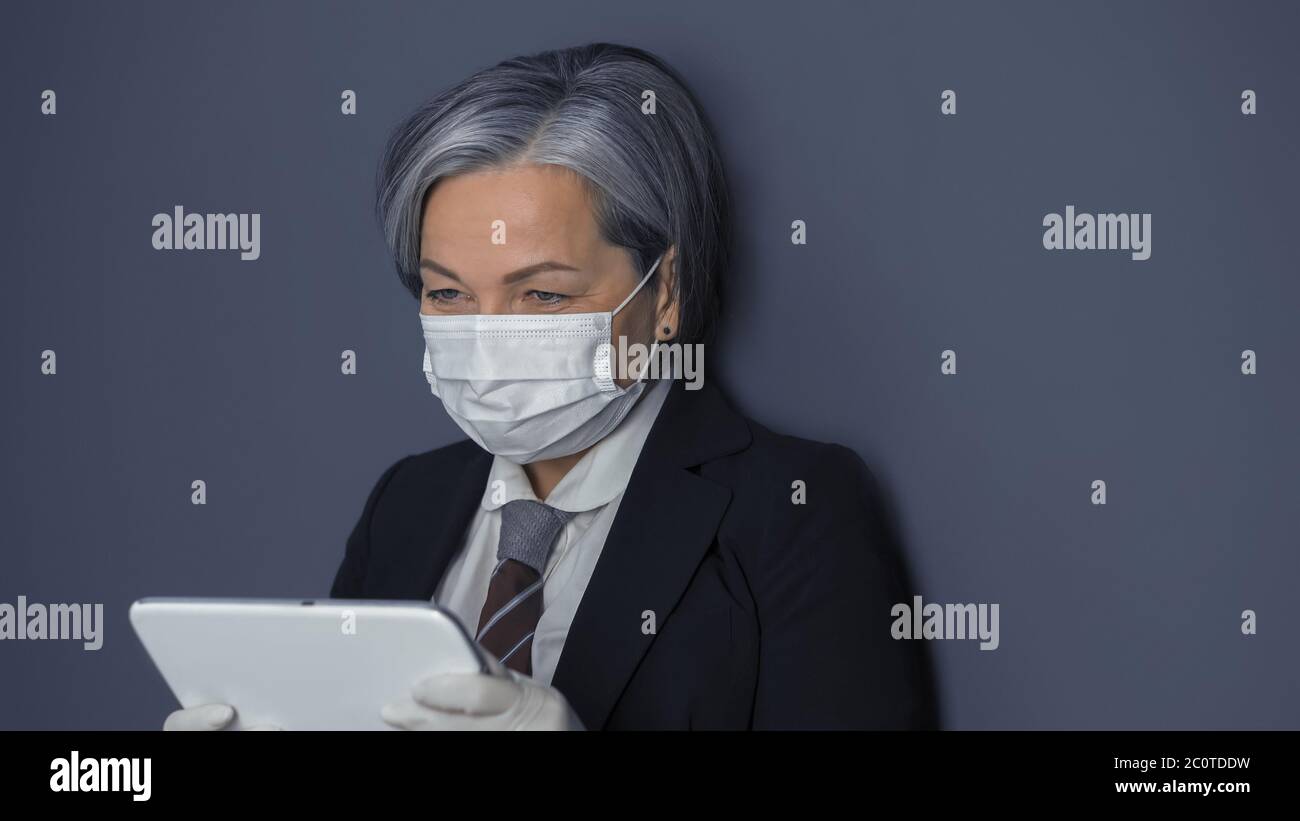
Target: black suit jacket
x=766 y=613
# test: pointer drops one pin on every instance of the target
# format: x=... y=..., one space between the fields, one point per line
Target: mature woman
x=632 y=553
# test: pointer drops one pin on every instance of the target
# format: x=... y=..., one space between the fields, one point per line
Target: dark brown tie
x=514 y=598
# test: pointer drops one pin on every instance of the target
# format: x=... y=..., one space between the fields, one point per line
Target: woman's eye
x=443 y=294
x=548 y=297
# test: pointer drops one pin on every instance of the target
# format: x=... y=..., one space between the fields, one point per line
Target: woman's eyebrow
x=439 y=269
x=510 y=278
x=525 y=273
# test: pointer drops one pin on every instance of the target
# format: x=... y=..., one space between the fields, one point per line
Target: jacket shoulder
x=436 y=485
x=448 y=456
x=773 y=456
x=411 y=484
x=800 y=499
x=436 y=465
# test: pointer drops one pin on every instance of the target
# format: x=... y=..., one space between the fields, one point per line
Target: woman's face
x=552 y=260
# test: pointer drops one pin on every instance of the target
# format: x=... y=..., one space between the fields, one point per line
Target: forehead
x=544 y=209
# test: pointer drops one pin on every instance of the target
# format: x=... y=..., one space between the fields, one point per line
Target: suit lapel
x=666 y=522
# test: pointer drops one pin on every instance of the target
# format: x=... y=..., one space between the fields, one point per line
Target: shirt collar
x=599 y=476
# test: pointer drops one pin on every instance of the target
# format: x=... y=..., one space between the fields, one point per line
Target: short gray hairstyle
x=657 y=179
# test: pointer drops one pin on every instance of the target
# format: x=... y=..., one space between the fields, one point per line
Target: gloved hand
x=206 y=717
x=499 y=700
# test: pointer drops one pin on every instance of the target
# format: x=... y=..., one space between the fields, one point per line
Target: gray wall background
x=924 y=234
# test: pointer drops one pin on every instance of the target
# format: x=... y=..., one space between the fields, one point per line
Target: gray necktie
x=514 y=598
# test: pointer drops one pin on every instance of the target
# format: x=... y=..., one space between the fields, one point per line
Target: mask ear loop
x=654 y=345
x=604 y=366
x=638 y=287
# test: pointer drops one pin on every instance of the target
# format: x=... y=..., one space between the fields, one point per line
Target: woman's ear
x=667 y=305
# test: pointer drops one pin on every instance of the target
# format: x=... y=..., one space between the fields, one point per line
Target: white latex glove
x=499 y=700
x=206 y=717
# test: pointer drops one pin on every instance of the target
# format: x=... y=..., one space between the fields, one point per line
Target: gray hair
x=657 y=179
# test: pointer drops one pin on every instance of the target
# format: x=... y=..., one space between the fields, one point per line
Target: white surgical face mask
x=529 y=386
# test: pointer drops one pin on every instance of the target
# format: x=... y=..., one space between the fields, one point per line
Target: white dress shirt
x=591 y=490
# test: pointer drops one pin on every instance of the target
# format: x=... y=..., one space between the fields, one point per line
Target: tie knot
x=528 y=530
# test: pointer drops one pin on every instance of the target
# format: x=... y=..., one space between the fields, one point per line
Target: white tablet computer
x=314 y=664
